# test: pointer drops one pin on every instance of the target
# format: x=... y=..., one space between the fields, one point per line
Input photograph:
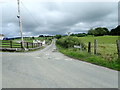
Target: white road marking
x=68 y=59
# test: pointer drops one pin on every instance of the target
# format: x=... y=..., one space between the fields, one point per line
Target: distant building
x=38 y=41
x=1 y=36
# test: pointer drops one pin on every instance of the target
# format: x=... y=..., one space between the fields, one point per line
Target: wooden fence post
x=27 y=45
x=10 y=44
x=95 y=46
x=38 y=44
x=21 y=45
x=32 y=45
x=89 y=47
x=118 y=47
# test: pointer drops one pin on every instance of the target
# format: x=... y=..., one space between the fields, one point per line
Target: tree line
x=100 y=31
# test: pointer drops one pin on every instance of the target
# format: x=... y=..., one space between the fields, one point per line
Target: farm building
x=1 y=36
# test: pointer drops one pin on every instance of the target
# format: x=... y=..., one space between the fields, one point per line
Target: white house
x=38 y=41
x=1 y=36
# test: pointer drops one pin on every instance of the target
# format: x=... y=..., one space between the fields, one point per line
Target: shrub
x=58 y=36
x=69 y=42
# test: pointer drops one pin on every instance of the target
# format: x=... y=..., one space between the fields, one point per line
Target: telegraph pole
x=20 y=24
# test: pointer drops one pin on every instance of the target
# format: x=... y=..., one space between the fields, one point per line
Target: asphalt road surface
x=49 y=69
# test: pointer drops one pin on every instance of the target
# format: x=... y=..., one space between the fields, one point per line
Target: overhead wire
x=30 y=14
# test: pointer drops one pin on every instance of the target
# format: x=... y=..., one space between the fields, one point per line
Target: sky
x=56 y=17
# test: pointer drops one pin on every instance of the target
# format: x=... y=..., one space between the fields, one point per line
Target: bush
x=98 y=31
x=58 y=36
x=69 y=42
x=115 y=31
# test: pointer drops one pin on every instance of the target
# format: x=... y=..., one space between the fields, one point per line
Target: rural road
x=47 y=69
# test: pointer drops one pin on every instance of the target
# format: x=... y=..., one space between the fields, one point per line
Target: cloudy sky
x=57 y=17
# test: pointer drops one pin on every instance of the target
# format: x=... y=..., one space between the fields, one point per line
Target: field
x=107 y=47
x=106 y=52
x=14 y=43
x=30 y=39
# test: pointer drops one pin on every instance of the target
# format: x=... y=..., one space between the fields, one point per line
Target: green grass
x=84 y=56
x=107 y=47
x=107 y=52
x=101 y=39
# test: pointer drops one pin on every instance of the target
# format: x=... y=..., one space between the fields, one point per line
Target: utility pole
x=20 y=24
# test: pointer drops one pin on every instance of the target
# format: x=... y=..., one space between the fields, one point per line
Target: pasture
x=28 y=42
x=107 y=47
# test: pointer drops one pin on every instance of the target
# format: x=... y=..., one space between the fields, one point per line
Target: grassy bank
x=107 y=52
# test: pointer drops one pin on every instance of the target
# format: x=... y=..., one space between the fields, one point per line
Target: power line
x=35 y=20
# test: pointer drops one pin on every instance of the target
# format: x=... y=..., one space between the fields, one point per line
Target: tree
x=98 y=31
x=115 y=31
x=58 y=36
x=33 y=37
x=41 y=35
x=91 y=32
x=107 y=31
x=79 y=35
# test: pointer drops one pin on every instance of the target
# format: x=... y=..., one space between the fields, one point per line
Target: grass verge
x=94 y=59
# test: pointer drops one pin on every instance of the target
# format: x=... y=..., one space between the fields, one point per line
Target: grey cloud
x=59 y=18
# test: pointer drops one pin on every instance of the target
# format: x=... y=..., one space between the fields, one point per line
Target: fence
x=13 y=44
x=118 y=48
x=96 y=47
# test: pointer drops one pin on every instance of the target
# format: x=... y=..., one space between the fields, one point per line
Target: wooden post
x=27 y=45
x=32 y=45
x=89 y=47
x=37 y=44
x=95 y=46
x=21 y=45
x=80 y=48
x=118 y=48
x=10 y=44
